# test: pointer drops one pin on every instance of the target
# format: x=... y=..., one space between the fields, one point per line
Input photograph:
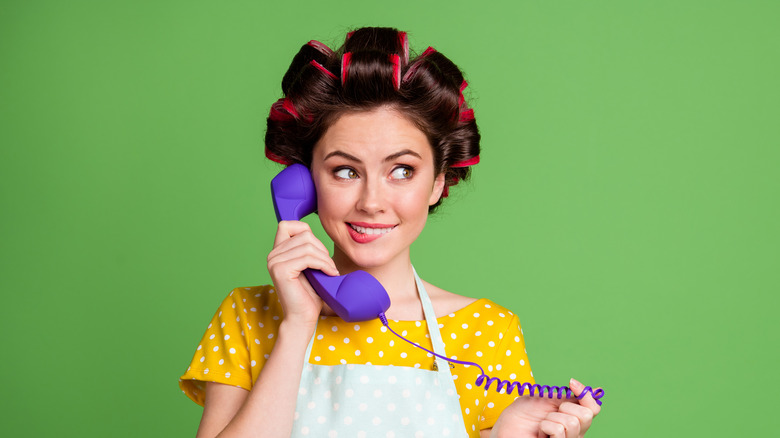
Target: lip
x=369 y=225
x=365 y=238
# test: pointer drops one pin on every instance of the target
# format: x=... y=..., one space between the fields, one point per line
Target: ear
x=438 y=188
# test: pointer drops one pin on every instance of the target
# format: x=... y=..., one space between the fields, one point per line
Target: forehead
x=373 y=134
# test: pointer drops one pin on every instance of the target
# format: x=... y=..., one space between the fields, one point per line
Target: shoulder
x=249 y=313
x=236 y=342
x=482 y=314
x=445 y=302
x=253 y=293
x=495 y=317
x=253 y=299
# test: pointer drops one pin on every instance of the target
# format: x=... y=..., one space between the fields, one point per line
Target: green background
x=626 y=205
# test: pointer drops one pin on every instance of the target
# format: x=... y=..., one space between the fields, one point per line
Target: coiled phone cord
x=520 y=387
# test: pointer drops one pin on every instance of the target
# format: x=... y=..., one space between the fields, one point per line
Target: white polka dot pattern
x=466 y=333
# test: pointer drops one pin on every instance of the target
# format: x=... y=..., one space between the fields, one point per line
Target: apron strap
x=433 y=327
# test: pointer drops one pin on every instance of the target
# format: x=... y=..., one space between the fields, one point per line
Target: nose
x=371 y=199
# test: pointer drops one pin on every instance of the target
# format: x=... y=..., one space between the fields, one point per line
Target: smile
x=365 y=233
x=371 y=230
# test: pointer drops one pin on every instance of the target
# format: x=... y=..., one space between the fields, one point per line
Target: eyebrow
x=390 y=157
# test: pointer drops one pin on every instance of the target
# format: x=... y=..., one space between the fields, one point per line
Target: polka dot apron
x=373 y=401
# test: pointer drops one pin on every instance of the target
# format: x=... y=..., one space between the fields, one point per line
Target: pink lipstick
x=363 y=232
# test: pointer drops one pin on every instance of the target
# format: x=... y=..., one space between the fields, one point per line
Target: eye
x=346 y=173
x=402 y=172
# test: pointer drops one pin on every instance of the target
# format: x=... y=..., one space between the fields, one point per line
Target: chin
x=367 y=259
x=368 y=262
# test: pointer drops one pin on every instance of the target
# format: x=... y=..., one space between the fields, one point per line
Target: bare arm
x=220 y=406
x=269 y=407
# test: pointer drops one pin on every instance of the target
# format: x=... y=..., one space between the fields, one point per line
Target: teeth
x=363 y=230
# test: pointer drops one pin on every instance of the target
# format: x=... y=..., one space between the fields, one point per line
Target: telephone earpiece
x=357 y=296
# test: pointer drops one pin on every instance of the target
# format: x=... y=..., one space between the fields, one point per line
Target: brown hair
x=373 y=69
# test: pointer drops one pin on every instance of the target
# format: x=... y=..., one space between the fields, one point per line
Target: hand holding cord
x=358 y=296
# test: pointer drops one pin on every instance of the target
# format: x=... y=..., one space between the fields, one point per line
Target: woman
x=384 y=137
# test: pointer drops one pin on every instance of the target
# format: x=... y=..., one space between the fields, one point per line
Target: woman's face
x=375 y=179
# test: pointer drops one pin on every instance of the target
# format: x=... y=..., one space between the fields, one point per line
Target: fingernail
x=574 y=384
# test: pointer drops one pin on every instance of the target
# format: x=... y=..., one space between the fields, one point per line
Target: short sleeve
x=509 y=363
x=222 y=355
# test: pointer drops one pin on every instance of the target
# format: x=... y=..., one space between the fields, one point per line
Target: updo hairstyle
x=370 y=70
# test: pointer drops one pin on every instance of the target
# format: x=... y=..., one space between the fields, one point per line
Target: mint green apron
x=380 y=401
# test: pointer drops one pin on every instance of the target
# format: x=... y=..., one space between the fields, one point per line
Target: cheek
x=333 y=204
x=325 y=206
x=414 y=203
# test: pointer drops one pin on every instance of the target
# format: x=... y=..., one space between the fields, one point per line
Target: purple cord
x=521 y=387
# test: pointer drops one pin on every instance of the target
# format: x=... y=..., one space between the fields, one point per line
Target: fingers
x=582 y=415
x=573 y=419
x=560 y=425
x=289 y=229
x=290 y=264
x=586 y=401
x=295 y=249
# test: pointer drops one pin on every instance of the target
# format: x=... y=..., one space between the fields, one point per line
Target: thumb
x=588 y=399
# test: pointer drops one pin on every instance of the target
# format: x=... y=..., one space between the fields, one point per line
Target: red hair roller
x=276 y=158
x=446 y=190
x=404 y=40
x=410 y=72
x=427 y=52
x=319 y=67
x=466 y=163
x=462 y=99
x=279 y=113
x=345 y=65
x=288 y=105
x=325 y=50
x=466 y=115
x=396 y=60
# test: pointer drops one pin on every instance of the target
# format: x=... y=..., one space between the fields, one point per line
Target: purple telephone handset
x=357 y=296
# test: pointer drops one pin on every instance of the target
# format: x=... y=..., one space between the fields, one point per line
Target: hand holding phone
x=357 y=296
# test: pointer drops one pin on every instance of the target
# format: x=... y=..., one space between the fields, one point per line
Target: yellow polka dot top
x=243 y=331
